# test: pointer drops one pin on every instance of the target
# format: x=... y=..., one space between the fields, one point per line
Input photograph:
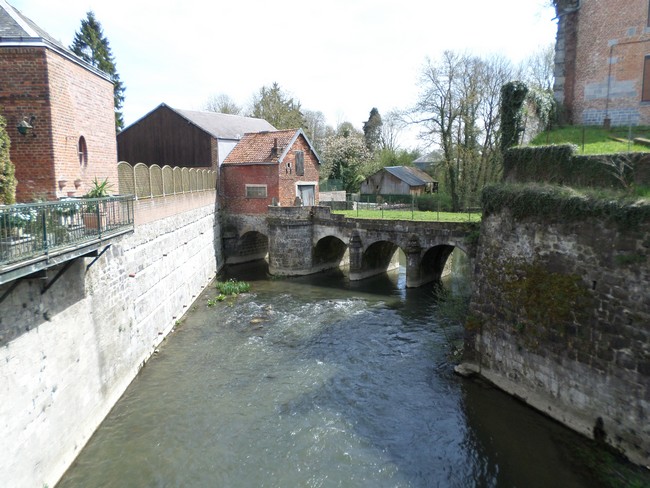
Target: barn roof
x=409 y=175
x=266 y=147
x=224 y=126
x=16 y=30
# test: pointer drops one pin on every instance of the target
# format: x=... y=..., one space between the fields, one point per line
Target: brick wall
x=235 y=177
x=82 y=105
x=288 y=181
x=24 y=93
x=280 y=183
x=68 y=102
x=599 y=32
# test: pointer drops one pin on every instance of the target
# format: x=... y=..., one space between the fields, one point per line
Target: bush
x=232 y=287
x=433 y=202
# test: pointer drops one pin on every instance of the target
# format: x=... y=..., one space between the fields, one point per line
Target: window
x=255 y=191
x=300 y=163
x=82 y=151
x=645 y=93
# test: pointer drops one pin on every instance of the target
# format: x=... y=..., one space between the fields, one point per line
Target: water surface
x=316 y=382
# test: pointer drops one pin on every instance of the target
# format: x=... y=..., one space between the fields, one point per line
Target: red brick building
x=267 y=168
x=602 y=72
x=64 y=108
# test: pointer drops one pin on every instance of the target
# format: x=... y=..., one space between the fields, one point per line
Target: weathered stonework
x=68 y=355
x=560 y=316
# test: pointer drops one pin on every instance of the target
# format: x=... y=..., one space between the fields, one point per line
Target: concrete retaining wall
x=74 y=349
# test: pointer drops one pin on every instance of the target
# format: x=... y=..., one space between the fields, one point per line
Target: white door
x=307 y=194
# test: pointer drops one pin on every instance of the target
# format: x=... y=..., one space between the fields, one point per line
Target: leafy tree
x=91 y=45
x=222 y=104
x=277 y=108
x=372 y=130
x=7 y=178
x=346 y=158
x=395 y=157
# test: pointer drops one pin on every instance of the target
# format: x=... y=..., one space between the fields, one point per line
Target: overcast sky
x=340 y=57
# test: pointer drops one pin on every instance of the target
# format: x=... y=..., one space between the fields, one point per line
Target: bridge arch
x=378 y=257
x=252 y=245
x=432 y=264
x=330 y=252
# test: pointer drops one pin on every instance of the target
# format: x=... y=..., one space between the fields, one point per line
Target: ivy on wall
x=513 y=95
x=560 y=204
x=559 y=164
x=7 y=178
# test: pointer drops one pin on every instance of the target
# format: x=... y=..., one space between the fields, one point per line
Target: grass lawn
x=593 y=139
x=408 y=215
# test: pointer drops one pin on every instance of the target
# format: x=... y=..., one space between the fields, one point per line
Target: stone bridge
x=306 y=240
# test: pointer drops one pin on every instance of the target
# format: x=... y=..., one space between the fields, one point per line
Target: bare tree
x=538 y=69
x=223 y=104
x=458 y=108
x=390 y=130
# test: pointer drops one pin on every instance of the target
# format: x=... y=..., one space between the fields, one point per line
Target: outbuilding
x=186 y=138
x=399 y=180
x=269 y=168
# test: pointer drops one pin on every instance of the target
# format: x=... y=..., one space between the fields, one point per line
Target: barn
x=186 y=138
x=398 y=180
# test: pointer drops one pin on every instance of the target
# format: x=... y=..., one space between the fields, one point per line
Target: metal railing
x=32 y=230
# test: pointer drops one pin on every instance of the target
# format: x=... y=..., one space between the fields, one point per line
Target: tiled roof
x=225 y=126
x=410 y=175
x=259 y=147
x=18 y=30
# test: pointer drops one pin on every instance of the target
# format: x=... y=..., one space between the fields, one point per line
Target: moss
x=564 y=204
x=539 y=306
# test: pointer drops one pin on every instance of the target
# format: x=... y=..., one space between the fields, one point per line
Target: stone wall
x=560 y=317
x=69 y=353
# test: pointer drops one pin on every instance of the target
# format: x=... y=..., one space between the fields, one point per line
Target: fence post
x=44 y=222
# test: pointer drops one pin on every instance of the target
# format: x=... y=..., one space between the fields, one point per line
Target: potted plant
x=94 y=217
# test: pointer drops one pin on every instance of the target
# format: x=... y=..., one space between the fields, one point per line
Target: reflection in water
x=317 y=382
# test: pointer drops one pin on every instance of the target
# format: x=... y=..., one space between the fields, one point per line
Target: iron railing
x=31 y=230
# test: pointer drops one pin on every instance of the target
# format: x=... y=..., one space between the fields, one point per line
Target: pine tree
x=91 y=46
x=372 y=130
x=7 y=178
x=277 y=108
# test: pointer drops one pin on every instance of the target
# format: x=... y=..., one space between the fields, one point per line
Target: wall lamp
x=25 y=126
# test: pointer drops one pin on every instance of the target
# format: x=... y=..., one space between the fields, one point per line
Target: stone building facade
x=602 y=69
x=63 y=105
x=267 y=168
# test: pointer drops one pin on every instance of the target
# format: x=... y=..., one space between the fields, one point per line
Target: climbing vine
x=7 y=178
x=513 y=95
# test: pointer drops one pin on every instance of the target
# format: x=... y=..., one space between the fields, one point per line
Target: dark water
x=314 y=382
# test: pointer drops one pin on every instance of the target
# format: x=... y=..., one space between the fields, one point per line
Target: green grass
x=593 y=139
x=408 y=215
x=232 y=287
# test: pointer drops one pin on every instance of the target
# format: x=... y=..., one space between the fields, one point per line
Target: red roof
x=262 y=147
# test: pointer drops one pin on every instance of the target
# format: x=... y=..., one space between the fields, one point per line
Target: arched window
x=82 y=150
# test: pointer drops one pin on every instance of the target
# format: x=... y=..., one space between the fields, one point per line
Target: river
x=317 y=382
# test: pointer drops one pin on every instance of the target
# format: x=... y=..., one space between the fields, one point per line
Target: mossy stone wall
x=560 y=316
